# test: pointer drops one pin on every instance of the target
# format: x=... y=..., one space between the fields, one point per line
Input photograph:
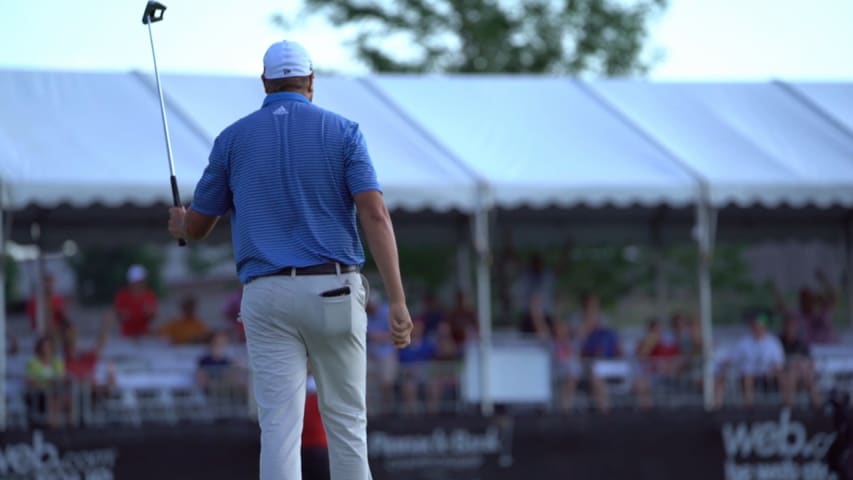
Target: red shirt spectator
x=135 y=305
x=57 y=306
x=313 y=434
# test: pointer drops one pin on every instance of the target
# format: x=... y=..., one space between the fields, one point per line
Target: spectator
x=599 y=343
x=57 y=315
x=135 y=305
x=413 y=362
x=462 y=320
x=315 y=446
x=656 y=360
x=444 y=368
x=688 y=336
x=567 y=364
x=537 y=294
x=80 y=364
x=231 y=311
x=815 y=311
x=799 y=367
x=186 y=328
x=757 y=359
x=431 y=314
x=215 y=368
x=47 y=397
x=381 y=353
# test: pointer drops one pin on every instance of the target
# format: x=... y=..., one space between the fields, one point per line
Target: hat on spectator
x=136 y=273
x=287 y=59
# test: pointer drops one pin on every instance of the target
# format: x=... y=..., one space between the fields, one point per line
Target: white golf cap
x=136 y=273
x=287 y=59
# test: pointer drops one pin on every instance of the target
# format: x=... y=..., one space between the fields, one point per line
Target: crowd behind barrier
x=136 y=369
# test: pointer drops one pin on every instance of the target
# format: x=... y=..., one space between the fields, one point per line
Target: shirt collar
x=284 y=97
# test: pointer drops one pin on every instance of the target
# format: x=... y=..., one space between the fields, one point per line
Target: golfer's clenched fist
x=401 y=324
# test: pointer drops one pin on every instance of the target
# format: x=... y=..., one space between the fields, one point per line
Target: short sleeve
x=213 y=192
x=360 y=175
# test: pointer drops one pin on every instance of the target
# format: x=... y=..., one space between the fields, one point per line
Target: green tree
x=493 y=36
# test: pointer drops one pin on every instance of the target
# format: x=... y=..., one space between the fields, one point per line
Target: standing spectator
x=567 y=364
x=757 y=359
x=80 y=364
x=57 y=315
x=135 y=305
x=656 y=361
x=799 y=367
x=537 y=295
x=315 y=446
x=599 y=343
x=186 y=328
x=231 y=312
x=815 y=311
x=47 y=397
x=381 y=353
x=688 y=336
x=413 y=367
x=463 y=320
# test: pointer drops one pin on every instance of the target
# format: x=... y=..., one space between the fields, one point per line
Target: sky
x=697 y=39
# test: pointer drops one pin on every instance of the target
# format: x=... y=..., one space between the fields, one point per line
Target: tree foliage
x=494 y=36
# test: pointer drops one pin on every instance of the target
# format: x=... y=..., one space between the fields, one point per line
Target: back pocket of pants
x=337 y=314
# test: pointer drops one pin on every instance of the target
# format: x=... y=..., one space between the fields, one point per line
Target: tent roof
x=752 y=143
x=415 y=173
x=540 y=141
x=835 y=99
x=84 y=138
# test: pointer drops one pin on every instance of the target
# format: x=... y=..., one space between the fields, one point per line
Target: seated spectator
x=815 y=311
x=462 y=320
x=47 y=397
x=186 y=328
x=799 y=367
x=443 y=377
x=135 y=305
x=431 y=313
x=757 y=359
x=656 y=360
x=215 y=368
x=413 y=364
x=381 y=354
x=598 y=343
x=57 y=315
x=688 y=336
x=537 y=320
x=567 y=364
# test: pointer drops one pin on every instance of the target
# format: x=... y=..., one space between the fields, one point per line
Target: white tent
x=834 y=99
x=540 y=141
x=88 y=138
x=754 y=144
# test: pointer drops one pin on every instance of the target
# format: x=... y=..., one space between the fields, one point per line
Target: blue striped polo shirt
x=288 y=173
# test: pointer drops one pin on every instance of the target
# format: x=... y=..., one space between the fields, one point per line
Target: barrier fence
x=730 y=445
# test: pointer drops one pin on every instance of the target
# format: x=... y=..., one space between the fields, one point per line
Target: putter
x=154 y=13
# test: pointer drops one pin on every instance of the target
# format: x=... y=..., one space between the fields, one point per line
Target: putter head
x=153 y=12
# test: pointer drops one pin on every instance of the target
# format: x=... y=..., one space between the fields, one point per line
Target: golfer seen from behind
x=293 y=177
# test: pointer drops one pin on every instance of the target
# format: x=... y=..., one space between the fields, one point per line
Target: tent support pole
x=484 y=302
x=3 y=279
x=848 y=249
x=706 y=220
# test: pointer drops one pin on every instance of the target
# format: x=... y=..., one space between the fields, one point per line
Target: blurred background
x=625 y=229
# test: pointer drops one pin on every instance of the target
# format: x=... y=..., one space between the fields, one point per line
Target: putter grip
x=176 y=201
x=153 y=12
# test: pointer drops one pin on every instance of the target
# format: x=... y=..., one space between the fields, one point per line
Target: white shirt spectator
x=758 y=356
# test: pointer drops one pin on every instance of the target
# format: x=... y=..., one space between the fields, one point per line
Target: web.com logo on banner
x=41 y=460
x=776 y=450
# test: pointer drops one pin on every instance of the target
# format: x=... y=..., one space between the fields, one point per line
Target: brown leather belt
x=330 y=268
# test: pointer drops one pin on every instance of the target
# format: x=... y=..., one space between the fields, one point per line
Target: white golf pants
x=286 y=320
